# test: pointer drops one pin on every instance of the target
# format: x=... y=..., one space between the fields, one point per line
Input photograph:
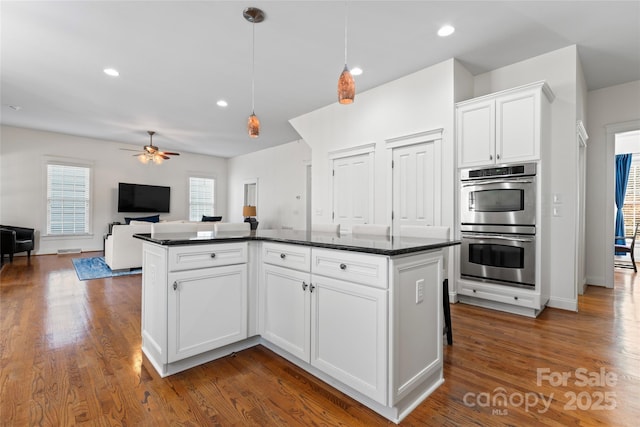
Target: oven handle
x=501 y=181
x=511 y=239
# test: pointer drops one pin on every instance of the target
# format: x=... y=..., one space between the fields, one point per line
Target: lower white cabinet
x=286 y=310
x=338 y=327
x=207 y=309
x=188 y=313
x=349 y=334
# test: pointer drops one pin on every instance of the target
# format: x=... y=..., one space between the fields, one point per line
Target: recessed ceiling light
x=111 y=72
x=222 y=103
x=356 y=71
x=446 y=30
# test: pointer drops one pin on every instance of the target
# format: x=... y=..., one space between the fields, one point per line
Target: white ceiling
x=177 y=58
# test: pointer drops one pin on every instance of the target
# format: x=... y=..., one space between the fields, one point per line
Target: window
x=201 y=198
x=68 y=199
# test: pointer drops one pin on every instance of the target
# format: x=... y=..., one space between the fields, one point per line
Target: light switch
x=419 y=291
x=557 y=199
x=556 y=211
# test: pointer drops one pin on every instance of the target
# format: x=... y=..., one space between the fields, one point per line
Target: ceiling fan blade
x=129 y=149
x=164 y=157
x=169 y=153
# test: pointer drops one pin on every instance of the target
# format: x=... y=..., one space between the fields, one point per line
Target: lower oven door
x=500 y=258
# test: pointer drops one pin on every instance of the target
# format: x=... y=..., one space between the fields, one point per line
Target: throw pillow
x=151 y=218
x=211 y=218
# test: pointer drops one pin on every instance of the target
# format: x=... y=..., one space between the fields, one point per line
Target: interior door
x=352 y=190
x=415 y=179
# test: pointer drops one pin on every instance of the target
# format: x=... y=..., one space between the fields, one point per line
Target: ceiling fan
x=151 y=153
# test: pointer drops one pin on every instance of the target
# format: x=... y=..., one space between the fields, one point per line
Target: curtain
x=623 y=164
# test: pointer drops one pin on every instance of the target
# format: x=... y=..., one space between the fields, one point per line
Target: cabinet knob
x=343 y=266
x=474 y=291
x=490 y=156
x=311 y=287
x=515 y=298
x=304 y=286
x=498 y=156
x=213 y=255
x=283 y=256
x=175 y=286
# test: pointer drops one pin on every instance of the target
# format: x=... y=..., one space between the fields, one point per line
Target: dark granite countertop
x=380 y=245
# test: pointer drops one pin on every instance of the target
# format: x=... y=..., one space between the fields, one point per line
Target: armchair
x=14 y=240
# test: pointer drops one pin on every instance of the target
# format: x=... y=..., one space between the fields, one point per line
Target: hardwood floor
x=70 y=355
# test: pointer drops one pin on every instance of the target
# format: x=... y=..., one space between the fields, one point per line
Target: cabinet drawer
x=290 y=256
x=507 y=295
x=203 y=256
x=367 y=269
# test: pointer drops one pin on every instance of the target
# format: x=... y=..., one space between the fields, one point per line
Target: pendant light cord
x=253 y=68
x=346 y=14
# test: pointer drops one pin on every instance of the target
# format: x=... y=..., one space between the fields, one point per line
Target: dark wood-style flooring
x=70 y=355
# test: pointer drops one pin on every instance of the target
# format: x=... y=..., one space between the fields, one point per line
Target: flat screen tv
x=143 y=198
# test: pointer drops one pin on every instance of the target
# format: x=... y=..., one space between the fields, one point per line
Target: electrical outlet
x=419 y=291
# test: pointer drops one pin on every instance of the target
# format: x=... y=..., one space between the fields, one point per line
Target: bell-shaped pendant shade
x=253 y=126
x=346 y=87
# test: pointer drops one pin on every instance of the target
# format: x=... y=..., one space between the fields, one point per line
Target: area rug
x=96 y=268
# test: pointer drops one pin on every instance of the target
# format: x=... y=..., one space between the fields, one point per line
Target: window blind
x=201 y=197
x=68 y=199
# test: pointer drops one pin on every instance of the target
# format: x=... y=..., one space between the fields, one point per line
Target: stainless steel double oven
x=498 y=224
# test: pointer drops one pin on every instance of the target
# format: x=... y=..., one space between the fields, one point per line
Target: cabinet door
x=475 y=124
x=518 y=126
x=285 y=310
x=349 y=335
x=207 y=309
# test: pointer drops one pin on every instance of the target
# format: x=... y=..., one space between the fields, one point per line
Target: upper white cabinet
x=503 y=127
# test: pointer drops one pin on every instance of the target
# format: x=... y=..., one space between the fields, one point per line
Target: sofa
x=122 y=251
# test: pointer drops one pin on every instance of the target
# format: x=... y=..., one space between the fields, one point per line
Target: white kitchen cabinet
x=526 y=302
x=207 y=309
x=349 y=334
x=503 y=127
x=186 y=314
x=368 y=324
x=337 y=326
x=286 y=310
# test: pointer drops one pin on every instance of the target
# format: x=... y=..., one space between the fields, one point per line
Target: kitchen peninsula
x=362 y=313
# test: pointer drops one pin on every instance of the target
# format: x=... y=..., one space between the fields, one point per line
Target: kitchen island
x=364 y=314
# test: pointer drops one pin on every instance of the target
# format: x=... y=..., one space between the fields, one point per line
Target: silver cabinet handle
x=175 y=286
x=498 y=156
x=304 y=286
x=343 y=266
x=490 y=156
x=213 y=255
x=283 y=256
x=311 y=287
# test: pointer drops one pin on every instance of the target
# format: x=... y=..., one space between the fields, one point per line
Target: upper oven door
x=502 y=201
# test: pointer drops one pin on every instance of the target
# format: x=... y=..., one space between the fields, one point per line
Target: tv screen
x=143 y=198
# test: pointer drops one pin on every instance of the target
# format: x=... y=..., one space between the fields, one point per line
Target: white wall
x=23 y=182
x=419 y=102
x=608 y=106
x=281 y=174
x=559 y=70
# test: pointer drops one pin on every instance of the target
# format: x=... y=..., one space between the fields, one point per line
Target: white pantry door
x=352 y=190
x=416 y=177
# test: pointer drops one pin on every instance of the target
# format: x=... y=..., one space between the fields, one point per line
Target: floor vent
x=69 y=251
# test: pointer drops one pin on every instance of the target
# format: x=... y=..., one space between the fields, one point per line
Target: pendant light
x=346 y=84
x=254 y=16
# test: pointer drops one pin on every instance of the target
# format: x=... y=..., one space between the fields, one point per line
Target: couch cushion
x=151 y=218
x=211 y=218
